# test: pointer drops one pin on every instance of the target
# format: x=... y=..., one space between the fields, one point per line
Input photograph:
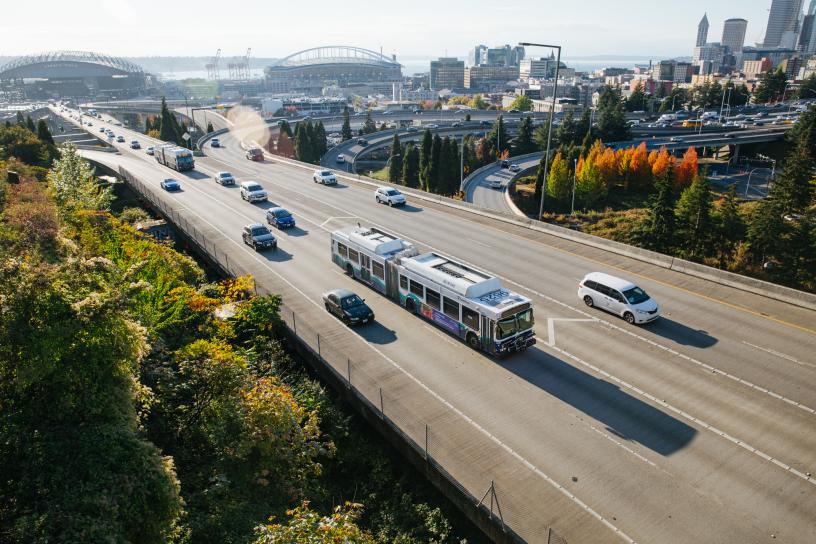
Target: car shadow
x=277 y=256
x=337 y=185
x=410 y=208
x=680 y=333
x=193 y=174
x=627 y=417
x=294 y=232
x=376 y=333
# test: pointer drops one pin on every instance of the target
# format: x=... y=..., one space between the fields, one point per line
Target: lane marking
x=551 y=327
x=436 y=395
x=480 y=243
x=330 y=219
x=779 y=354
x=615 y=441
x=744 y=445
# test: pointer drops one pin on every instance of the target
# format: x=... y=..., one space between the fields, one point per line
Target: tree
x=686 y=170
x=541 y=134
x=804 y=132
x=307 y=526
x=435 y=165
x=210 y=128
x=793 y=188
x=303 y=150
x=658 y=231
x=478 y=102
x=319 y=142
x=286 y=128
x=559 y=182
x=369 y=126
x=498 y=136
x=410 y=166
x=637 y=99
x=524 y=142
x=395 y=160
x=694 y=222
x=729 y=226
x=43 y=133
x=770 y=87
x=540 y=178
x=29 y=123
x=449 y=182
x=285 y=147
x=74 y=185
x=522 y=103
x=567 y=132
x=582 y=127
x=808 y=88
x=591 y=183
x=168 y=126
x=612 y=126
x=425 y=158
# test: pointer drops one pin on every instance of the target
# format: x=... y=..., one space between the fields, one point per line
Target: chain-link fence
x=494 y=483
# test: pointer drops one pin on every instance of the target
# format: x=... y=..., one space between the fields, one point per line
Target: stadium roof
x=336 y=54
x=114 y=63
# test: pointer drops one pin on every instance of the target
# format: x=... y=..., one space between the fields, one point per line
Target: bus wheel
x=349 y=270
x=410 y=305
x=473 y=341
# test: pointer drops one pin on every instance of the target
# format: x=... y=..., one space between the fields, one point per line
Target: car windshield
x=225 y=175
x=253 y=187
x=392 y=192
x=351 y=302
x=636 y=295
x=325 y=173
x=259 y=231
x=281 y=214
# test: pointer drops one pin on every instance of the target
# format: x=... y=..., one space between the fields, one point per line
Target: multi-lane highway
x=697 y=428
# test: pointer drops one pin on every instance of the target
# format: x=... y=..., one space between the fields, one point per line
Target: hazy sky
x=274 y=28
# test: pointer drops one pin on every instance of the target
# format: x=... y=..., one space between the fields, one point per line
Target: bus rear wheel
x=410 y=305
x=473 y=341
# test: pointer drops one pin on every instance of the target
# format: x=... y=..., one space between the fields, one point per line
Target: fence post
x=294 y=323
x=382 y=410
x=348 y=371
x=318 y=346
x=426 y=441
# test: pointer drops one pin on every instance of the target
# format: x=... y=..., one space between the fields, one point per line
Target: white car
x=224 y=178
x=514 y=168
x=620 y=297
x=251 y=191
x=494 y=183
x=150 y=150
x=387 y=195
x=341 y=159
x=326 y=177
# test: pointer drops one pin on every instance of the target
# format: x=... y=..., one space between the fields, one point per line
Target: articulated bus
x=463 y=301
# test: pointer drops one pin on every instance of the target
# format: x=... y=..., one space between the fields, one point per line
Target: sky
x=647 y=29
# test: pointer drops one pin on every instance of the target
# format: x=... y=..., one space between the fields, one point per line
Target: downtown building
x=447 y=73
x=784 y=24
x=490 y=78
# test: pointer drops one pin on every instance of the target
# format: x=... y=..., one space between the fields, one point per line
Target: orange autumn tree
x=640 y=169
x=684 y=174
x=662 y=163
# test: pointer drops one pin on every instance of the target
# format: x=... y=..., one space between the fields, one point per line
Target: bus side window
x=451 y=308
x=432 y=299
x=353 y=256
x=418 y=289
x=403 y=282
x=377 y=270
x=470 y=318
x=342 y=250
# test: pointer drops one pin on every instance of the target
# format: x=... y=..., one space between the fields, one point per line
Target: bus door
x=391 y=280
x=487 y=333
x=365 y=268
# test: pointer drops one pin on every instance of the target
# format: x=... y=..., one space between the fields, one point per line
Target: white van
x=618 y=296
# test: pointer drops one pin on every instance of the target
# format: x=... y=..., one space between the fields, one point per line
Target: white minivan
x=620 y=297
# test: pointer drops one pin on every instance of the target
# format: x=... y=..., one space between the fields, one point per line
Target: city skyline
x=590 y=31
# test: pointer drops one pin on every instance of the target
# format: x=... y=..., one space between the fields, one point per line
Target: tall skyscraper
x=734 y=34
x=783 y=23
x=702 y=31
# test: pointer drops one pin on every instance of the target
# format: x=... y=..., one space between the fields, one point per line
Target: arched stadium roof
x=87 y=57
x=336 y=54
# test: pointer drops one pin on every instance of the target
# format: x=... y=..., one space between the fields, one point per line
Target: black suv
x=347 y=306
x=259 y=237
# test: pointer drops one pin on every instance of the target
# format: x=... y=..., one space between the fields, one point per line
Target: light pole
x=748 y=185
x=552 y=114
x=574 y=177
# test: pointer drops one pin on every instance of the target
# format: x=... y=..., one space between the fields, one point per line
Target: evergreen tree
x=658 y=230
x=168 y=126
x=410 y=166
x=729 y=226
x=612 y=125
x=586 y=144
x=320 y=144
x=524 y=142
x=498 y=137
x=434 y=166
x=582 y=127
x=29 y=123
x=345 y=132
x=637 y=99
x=559 y=182
x=451 y=167
x=20 y=118
x=43 y=133
x=369 y=126
x=804 y=132
x=540 y=135
x=425 y=158
x=395 y=160
x=469 y=160
x=793 y=188
x=695 y=227
x=771 y=86
x=567 y=132
x=302 y=142
x=808 y=88
x=210 y=128
x=286 y=128
x=539 y=182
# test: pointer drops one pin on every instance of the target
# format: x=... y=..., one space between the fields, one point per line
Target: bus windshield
x=522 y=321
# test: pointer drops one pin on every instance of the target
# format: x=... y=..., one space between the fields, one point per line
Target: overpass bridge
x=698 y=427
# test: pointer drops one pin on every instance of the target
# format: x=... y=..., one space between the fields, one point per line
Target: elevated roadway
x=697 y=428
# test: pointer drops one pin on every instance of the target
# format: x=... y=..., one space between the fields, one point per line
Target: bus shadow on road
x=194 y=174
x=681 y=334
x=627 y=417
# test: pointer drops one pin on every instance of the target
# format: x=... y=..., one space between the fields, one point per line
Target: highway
x=697 y=428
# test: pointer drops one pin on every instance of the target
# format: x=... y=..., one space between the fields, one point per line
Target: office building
x=503 y=55
x=478 y=55
x=702 y=32
x=489 y=78
x=755 y=68
x=709 y=58
x=775 y=54
x=783 y=24
x=733 y=39
x=807 y=37
x=447 y=73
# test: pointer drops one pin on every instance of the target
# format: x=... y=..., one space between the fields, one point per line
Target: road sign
x=185 y=136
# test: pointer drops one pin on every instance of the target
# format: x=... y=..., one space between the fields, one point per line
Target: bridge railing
x=485 y=479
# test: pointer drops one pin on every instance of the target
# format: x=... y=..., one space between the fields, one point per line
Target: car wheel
x=377 y=199
x=588 y=301
x=629 y=317
x=473 y=341
x=328 y=308
x=390 y=203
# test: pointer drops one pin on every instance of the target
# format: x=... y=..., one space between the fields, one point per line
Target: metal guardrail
x=392 y=394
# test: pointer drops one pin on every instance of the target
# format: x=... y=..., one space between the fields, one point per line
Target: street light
x=748 y=185
x=552 y=114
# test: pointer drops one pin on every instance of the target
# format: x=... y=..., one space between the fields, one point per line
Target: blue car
x=170 y=184
x=280 y=218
